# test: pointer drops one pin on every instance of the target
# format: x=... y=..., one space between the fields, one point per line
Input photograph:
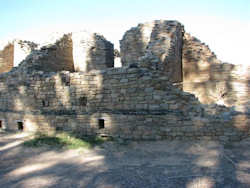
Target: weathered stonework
x=80 y=51
x=211 y=80
x=134 y=103
x=92 y=52
x=71 y=85
x=156 y=45
x=13 y=53
x=6 y=58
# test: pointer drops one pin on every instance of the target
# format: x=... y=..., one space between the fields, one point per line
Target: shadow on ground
x=136 y=164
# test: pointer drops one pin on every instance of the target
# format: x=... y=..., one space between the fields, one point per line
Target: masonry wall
x=133 y=103
x=72 y=52
x=137 y=101
x=14 y=53
x=52 y=57
x=6 y=58
x=156 y=45
x=92 y=52
x=211 y=80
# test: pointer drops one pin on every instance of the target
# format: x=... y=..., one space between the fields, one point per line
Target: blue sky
x=223 y=24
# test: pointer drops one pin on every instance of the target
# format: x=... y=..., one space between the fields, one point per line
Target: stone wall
x=131 y=103
x=211 y=80
x=159 y=46
x=72 y=52
x=92 y=52
x=14 y=53
x=197 y=58
x=156 y=45
x=6 y=58
x=51 y=57
x=138 y=101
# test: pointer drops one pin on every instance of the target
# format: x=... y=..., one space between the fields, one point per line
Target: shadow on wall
x=156 y=45
x=91 y=52
x=60 y=105
x=53 y=57
x=56 y=101
x=187 y=164
x=100 y=55
x=209 y=79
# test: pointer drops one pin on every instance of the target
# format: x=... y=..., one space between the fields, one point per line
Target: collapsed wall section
x=80 y=51
x=13 y=53
x=51 y=57
x=156 y=45
x=211 y=80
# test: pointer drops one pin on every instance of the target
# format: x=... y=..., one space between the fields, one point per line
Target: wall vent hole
x=83 y=101
x=20 y=125
x=45 y=103
x=101 y=124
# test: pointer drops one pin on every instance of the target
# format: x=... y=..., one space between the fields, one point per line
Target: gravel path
x=136 y=164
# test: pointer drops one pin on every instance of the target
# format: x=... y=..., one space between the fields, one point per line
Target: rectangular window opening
x=1 y=124
x=101 y=124
x=20 y=125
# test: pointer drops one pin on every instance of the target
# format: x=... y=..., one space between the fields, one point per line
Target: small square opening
x=83 y=101
x=101 y=124
x=45 y=103
x=20 y=125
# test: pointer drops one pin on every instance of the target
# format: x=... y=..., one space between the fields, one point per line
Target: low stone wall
x=130 y=103
x=134 y=126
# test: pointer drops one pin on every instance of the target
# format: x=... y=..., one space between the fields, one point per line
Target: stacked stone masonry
x=13 y=53
x=71 y=85
x=211 y=80
x=80 y=51
x=134 y=103
x=155 y=45
x=6 y=58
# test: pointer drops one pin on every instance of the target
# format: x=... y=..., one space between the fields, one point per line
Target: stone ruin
x=156 y=45
x=162 y=90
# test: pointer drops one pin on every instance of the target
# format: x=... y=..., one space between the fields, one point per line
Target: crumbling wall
x=137 y=101
x=14 y=53
x=197 y=59
x=211 y=80
x=51 y=57
x=72 y=52
x=156 y=45
x=22 y=49
x=6 y=58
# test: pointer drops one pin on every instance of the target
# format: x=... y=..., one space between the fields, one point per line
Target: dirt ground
x=136 y=164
